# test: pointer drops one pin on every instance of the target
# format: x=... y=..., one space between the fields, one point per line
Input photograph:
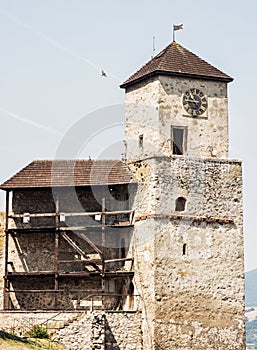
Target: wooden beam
x=54 y=291
x=117 y=260
x=74 y=245
x=66 y=274
x=35 y=215
x=31 y=273
x=5 y=296
x=38 y=215
x=94 y=260
x=56 y=248
x=79 y=274
x=89 y=242
x=103 y=251
x=78 y=249
x=32 y=230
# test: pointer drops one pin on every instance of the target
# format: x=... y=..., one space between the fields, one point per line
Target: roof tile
x=56 y=173
x=177 y=60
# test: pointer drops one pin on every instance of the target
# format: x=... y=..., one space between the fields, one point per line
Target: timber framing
x=101 y=266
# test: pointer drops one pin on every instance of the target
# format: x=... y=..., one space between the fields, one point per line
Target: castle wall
x=211 y=187
x=200 y=294
x=189 y=265
x=81 y=330
x=110 y=331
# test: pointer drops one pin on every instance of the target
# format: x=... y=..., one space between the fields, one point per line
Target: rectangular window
x=141 y=140
x=178 y=137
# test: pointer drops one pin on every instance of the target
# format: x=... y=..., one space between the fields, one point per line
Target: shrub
x=38 y=332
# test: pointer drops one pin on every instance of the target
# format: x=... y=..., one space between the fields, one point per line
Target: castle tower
x=188 y=237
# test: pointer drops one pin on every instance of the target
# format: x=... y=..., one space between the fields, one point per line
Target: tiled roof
x=178 y=61
x=56 y=173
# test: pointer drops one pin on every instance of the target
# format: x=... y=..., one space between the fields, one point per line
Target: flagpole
x=176 y=27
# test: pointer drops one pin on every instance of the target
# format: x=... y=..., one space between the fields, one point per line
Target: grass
x=11 y=341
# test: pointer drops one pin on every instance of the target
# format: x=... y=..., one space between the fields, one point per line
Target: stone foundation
x=117 y=331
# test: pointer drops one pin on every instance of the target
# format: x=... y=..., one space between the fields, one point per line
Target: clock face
x=195 y=102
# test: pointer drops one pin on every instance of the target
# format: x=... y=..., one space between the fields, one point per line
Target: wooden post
x=6 y=295
x=56 y=250
x=103 y=251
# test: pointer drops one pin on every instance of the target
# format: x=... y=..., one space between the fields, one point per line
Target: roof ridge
x=177 y=60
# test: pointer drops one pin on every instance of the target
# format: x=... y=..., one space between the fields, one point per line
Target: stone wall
x=71 y=199
x=211 y=187
x=201 y=294
x=33 y=252
x=109 y=331
x=20 y=322
x=154 y=105
x=189 y=264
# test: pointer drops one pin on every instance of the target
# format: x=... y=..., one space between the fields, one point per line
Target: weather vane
x=176 y=27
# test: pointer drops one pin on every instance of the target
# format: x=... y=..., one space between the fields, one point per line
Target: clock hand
x=193 y=101
x=191 y=95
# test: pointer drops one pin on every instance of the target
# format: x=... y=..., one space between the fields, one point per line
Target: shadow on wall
x=110 y=340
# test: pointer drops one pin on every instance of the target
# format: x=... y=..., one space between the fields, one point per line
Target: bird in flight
x=104 y=73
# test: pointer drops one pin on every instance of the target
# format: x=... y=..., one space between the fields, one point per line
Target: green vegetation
x=13 y=342
x=38 y=332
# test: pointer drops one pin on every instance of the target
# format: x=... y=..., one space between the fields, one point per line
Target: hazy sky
x=52 y=54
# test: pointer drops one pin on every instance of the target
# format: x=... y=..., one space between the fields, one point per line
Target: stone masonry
x=185 y=242
x=104 y=331
x=189 y=259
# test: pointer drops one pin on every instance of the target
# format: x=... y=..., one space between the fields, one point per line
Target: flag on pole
x=177 y=26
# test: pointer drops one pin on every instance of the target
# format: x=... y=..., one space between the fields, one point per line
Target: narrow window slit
x=141 y=140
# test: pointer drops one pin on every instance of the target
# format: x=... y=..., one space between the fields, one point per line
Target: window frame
x=184 y=141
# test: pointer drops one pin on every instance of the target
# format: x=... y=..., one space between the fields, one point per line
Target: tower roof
x=176 y=60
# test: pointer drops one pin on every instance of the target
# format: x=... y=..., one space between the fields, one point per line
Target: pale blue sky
x=52 y=53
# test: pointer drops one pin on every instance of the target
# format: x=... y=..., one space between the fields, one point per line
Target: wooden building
x=68 y=230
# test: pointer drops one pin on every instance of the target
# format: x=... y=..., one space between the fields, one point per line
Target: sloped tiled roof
x=56 y=173
x=178 y=61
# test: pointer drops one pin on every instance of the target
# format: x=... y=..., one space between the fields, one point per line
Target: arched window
x=180 y=204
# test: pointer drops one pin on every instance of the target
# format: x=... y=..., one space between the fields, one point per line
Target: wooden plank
x=103 y=251
x=54 y=291
x=5 y=296
x=32 y=229
x=89 y=242
x=74 y=245
x=94 y=260
x=38 y=215
x=119 y=273
x=31 y=273
x=56 y=248
x=78 y=250
x=117 y=260
x=79 y=274
x=35 y=215
x=65 y=229
x=98 y=213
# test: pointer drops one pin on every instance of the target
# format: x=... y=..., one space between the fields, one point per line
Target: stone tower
x=188 y=238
